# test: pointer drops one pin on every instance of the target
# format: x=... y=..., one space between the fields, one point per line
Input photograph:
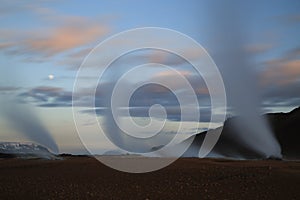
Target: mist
x=24 y=120
x=241 y=82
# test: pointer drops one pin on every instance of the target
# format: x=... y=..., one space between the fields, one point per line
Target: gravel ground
x=187 y=178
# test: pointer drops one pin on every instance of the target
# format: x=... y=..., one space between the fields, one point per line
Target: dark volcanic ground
x=187 y=178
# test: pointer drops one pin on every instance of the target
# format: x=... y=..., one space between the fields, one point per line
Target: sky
x=43 y=43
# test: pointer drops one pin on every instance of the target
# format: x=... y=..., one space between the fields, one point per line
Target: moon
x=51 y=76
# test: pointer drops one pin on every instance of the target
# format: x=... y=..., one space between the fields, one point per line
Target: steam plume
x=24 y=120
x=240 y=80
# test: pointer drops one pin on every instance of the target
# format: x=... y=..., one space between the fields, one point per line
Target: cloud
x=259 y=48
x=281 y=96
x=10 y=7
x=142 y=99
x=52 y=41
x=8 y=89
x=145 y=96
x=168 y=77
x=173 y=113
x=293 y=54
x=171 y=77
x=281 y=80
x=291 y=19
x=74 y=59
x=54 y=34
x=45 y=96
x=6 y=45
x=36 y=7
x=170 y=59
x=64 y=38
x=281 y=72
x=137 y=57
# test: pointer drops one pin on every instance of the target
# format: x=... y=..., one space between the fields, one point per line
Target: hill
x=284 y=126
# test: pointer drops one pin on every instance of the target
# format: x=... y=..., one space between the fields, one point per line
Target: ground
x=187 y=178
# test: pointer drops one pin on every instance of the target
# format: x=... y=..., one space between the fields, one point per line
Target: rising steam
x=24 y=120
x=240 y=81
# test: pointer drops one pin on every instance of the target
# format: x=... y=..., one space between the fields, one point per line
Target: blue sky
x=42 y=38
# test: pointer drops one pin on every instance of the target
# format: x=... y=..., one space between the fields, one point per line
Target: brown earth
x=187 y=178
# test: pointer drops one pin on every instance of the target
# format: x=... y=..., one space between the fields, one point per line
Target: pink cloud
x=64 y=38
x=168 y=58
x=281 y=72
x=59 y=33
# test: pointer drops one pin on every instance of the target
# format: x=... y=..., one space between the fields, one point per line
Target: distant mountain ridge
x=24 y=150
x=285 y=127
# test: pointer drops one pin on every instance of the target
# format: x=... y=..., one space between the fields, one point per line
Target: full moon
x=51 y=76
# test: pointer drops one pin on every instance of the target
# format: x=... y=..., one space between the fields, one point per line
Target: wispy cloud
x=170 y=59
x=282 y=71
x=52 y=41
x=56 y=34
x=147 y=95
x=8 y=89
x=45 y=96
x=68 y=36
x=259 y=48
x=290 y=19
x=281 y=79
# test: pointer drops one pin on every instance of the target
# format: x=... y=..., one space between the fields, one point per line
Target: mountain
x=285 y=127
x=24 y=150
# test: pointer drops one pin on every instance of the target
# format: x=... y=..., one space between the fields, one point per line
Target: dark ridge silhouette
x=7 y=155
x=285 y=127
x=66 y=155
